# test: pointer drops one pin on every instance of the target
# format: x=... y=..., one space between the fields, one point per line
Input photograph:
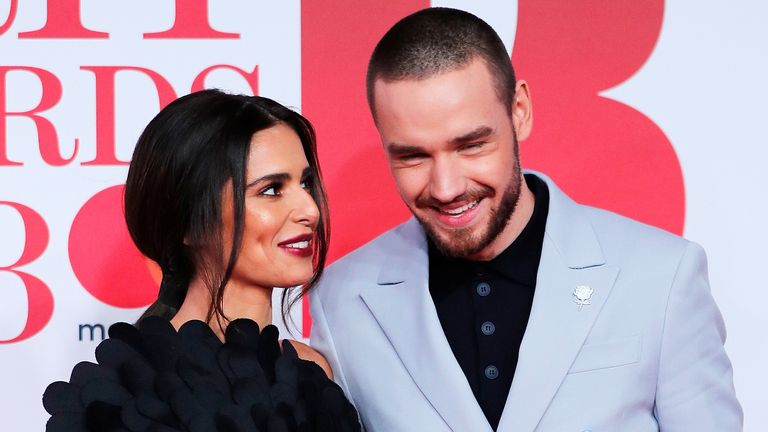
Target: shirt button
x=491 y=372
x=488 y=328
x=483 y=289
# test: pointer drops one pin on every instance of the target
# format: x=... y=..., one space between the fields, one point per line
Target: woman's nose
x=306 y=211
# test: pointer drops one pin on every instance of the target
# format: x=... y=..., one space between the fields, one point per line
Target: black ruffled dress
x=152 y=378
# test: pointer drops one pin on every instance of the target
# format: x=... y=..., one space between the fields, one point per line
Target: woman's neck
x=239 y=301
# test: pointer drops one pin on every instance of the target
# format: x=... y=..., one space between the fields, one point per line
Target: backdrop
x=654 y=110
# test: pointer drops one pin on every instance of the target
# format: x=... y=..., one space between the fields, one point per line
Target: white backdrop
x=704 y=85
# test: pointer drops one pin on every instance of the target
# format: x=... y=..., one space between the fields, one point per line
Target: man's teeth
x=462 y=209
x=298 y=245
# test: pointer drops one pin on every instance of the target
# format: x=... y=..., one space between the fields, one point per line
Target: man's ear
x=522 y=110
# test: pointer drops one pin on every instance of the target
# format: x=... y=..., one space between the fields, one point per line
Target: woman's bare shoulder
x=306 y=352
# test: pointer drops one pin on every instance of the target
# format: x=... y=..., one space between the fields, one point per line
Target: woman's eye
x=272 y=190
x=306 y=183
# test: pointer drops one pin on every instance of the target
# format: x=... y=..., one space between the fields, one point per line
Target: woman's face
x=280 y=213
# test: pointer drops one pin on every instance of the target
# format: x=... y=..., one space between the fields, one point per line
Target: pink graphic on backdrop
x=337 y=38
x=62 y=22
x=47 y=138
x=39 y=296
x=12 y=9
x=103 y=257
x=191 y=22
x=601 y=152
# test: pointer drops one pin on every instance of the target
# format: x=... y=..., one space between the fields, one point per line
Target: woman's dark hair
x=182 y=162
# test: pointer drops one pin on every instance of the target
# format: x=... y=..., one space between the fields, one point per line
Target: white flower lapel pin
x=582 y=294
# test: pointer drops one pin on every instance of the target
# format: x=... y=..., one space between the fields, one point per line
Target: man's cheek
x=409 y=184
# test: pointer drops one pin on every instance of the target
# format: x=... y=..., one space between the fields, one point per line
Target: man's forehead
x=453 y=91
x=475 y=73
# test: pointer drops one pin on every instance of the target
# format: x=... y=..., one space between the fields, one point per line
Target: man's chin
x=457 y=243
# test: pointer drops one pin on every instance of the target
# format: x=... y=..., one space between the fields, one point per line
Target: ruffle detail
x=154 y=379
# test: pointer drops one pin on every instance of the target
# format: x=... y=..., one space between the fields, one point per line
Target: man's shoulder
x=622 y=235
x=364 y=263
x=610 y=227
x=608 y=221
x=398 y=240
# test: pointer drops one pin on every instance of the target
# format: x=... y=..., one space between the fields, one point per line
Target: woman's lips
x=300 y=245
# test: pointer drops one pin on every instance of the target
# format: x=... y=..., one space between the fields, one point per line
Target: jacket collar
x=557 y=328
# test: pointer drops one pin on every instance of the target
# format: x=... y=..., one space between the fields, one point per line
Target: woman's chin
x=295 y=282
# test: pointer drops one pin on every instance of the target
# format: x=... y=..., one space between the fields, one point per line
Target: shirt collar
x=520 y=260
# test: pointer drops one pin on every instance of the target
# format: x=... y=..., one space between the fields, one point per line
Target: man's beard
x=460 y=243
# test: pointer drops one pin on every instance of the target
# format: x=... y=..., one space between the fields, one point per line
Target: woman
x=224 y=193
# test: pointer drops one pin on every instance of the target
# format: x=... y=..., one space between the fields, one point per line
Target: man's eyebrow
x=276 y=177
x=395 y=149
x=477 y=134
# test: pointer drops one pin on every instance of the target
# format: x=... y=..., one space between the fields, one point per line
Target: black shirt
x=484 y=306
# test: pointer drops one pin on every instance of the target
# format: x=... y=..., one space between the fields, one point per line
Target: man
x=504 y=305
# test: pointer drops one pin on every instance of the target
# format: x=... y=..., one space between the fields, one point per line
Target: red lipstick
x=300 y=245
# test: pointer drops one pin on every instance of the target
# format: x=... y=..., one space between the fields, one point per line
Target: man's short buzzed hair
x=437 y=40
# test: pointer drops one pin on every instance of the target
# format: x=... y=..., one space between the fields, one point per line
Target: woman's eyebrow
x=276 y=177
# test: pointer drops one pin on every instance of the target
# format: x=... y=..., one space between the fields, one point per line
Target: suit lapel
x=403 y=307
x=571 y=257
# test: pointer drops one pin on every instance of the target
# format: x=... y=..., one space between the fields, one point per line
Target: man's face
x=452 y=149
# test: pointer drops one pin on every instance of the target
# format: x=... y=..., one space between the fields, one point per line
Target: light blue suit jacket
x=646 y=354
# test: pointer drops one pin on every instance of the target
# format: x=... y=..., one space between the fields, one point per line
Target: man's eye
x=411 y=156
x=472 y=146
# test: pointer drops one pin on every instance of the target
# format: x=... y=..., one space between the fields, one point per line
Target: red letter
x=105 y=108
x=63 y=22
x=40 y=299
x=327 y=79
x=191 y=22
x=602 y=152
x=103 y=257
x=11 y=16
x=252 y=78
x=46 y=132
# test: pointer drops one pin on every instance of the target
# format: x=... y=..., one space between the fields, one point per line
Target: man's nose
x=447 y=181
